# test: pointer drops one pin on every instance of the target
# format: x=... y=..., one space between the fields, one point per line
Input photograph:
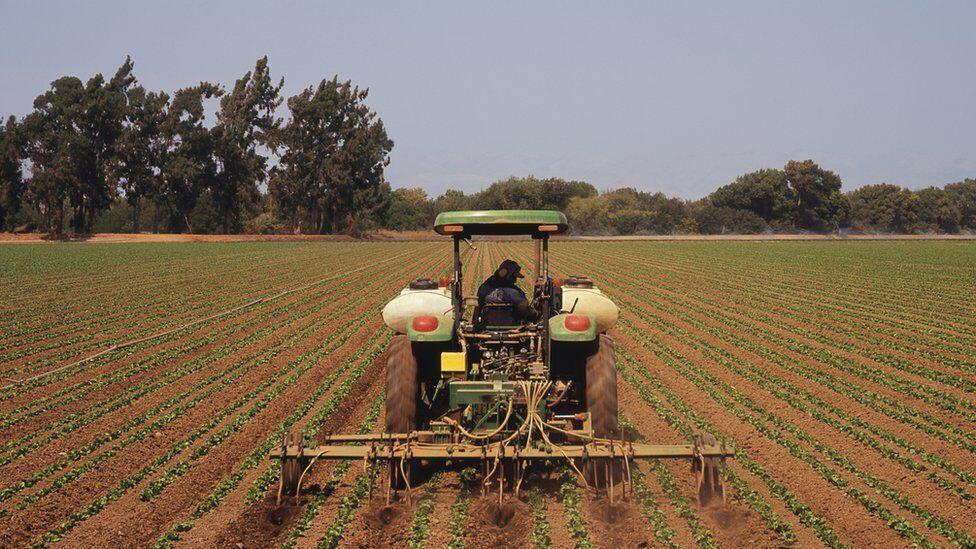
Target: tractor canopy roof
x=501 y=222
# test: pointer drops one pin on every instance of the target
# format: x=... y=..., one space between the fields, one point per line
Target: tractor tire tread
x=601 y=389
x=401 y=386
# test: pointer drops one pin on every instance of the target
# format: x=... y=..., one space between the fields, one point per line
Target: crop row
x=420 y=526
x=175 y=471
x=164 y=356
x=129 y=287
x=540 y=522
x=301 y=365
x=775 y=287
x=630 y=368
x=792 y=395
x=747 y=410
x=259 y=454
x=767 y=337
x=761 y=347
x=68 y=424
x=6 y=393
x=255 y=278
x=304 y=523
x=790 y=302
x=669 y=486
x=680 y=284
x=873 y=481
x=244 y=366
x=457 y=526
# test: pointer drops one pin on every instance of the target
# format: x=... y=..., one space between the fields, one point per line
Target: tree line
x=108 y=155
x=92 y=150
x=800 y=197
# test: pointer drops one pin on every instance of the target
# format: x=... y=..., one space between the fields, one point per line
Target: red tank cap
x=577 y=323
x=426 y=323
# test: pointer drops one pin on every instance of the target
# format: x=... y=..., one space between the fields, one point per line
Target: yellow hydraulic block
x=453 y=364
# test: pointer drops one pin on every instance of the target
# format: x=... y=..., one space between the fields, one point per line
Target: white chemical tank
x=421 y=297
x=591 y=302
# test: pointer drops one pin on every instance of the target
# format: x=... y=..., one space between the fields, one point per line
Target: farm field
x=842 y=373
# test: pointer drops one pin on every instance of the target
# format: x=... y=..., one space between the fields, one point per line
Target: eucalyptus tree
x=72 y=138
x=186 y=165
x=141 y=149
x=246 y=123
x=11 y=171
x=334 y=151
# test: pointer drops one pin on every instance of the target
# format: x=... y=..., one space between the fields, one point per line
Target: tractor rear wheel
x=601 y=402
x=601 y=389
x=401 y=386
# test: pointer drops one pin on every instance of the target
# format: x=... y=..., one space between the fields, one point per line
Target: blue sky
x=662 y=96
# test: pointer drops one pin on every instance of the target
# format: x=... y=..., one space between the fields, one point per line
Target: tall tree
x=820 y=204
x=55 y=148
x=11 y=172
x=187 y=154
x=409 y=209
x=72 y=138
x=246 y=121
x=101 y=121
x=531 y=193
x=334 y=152
x=141 y=149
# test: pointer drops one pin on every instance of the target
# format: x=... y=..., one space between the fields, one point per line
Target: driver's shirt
x=500 y=290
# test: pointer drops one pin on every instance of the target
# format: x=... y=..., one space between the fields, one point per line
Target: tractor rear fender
x=423 y=328
x=572 y=327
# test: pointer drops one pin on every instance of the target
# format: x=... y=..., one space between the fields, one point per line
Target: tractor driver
x=500 y=287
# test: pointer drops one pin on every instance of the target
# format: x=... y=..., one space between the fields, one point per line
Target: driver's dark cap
x=509 y=269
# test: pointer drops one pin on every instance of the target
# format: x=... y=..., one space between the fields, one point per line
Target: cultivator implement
x=504 y=455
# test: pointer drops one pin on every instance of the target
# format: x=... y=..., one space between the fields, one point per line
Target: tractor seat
x=498 y=315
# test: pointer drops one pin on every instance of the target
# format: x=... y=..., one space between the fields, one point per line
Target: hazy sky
x=659 y=96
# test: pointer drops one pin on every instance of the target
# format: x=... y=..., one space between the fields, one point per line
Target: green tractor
x=481 y=382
